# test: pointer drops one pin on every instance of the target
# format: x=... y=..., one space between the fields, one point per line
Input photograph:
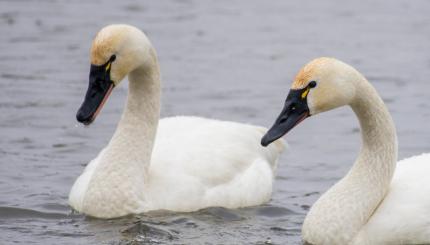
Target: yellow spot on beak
x=305 y=93
x=108 y=66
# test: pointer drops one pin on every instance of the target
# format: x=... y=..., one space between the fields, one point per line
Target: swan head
x=116 y=51
x=321 y=85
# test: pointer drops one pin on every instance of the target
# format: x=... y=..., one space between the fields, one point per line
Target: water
x=232 y=60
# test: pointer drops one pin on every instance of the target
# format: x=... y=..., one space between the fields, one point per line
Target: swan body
x=178 y=163
x=402 y=218
x=231 y=173
x=375 y=203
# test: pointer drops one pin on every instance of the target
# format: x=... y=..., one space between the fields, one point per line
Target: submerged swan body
x=375 y=203
x=187 y=164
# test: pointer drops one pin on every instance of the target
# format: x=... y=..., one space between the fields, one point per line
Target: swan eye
x=312 y=84
x=111 y=59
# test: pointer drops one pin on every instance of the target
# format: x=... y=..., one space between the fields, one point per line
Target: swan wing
x=403 y=216
x=211 y=163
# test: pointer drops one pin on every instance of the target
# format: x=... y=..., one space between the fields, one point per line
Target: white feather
x=194 y=162
x=403 y=215
x=378 y=201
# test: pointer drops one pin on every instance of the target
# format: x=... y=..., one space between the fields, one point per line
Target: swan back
x=219 y=160
x=402 y=216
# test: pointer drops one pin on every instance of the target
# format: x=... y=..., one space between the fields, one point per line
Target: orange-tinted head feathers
x=309 y=71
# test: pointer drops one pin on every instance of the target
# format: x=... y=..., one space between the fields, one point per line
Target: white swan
x=373 y=203
x=195 y=162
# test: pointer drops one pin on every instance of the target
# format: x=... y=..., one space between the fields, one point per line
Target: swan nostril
x=283 y=120
x=293 y=107
x=96 y=88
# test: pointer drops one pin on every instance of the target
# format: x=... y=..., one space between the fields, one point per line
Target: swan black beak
x=99 y=88
x=294 y=112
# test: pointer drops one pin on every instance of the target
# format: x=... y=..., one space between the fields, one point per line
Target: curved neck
x=123 y=165
x=348 y=205
x=138 y=125
x=378 y=154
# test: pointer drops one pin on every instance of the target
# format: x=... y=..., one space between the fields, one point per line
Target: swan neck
x=341 y=212
x=378 y=154
x=140 y=118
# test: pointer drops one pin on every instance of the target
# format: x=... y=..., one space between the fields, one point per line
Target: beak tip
x=80 y=117
x=264 y=142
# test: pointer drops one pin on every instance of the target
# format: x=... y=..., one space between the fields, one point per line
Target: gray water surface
x=232 y=60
